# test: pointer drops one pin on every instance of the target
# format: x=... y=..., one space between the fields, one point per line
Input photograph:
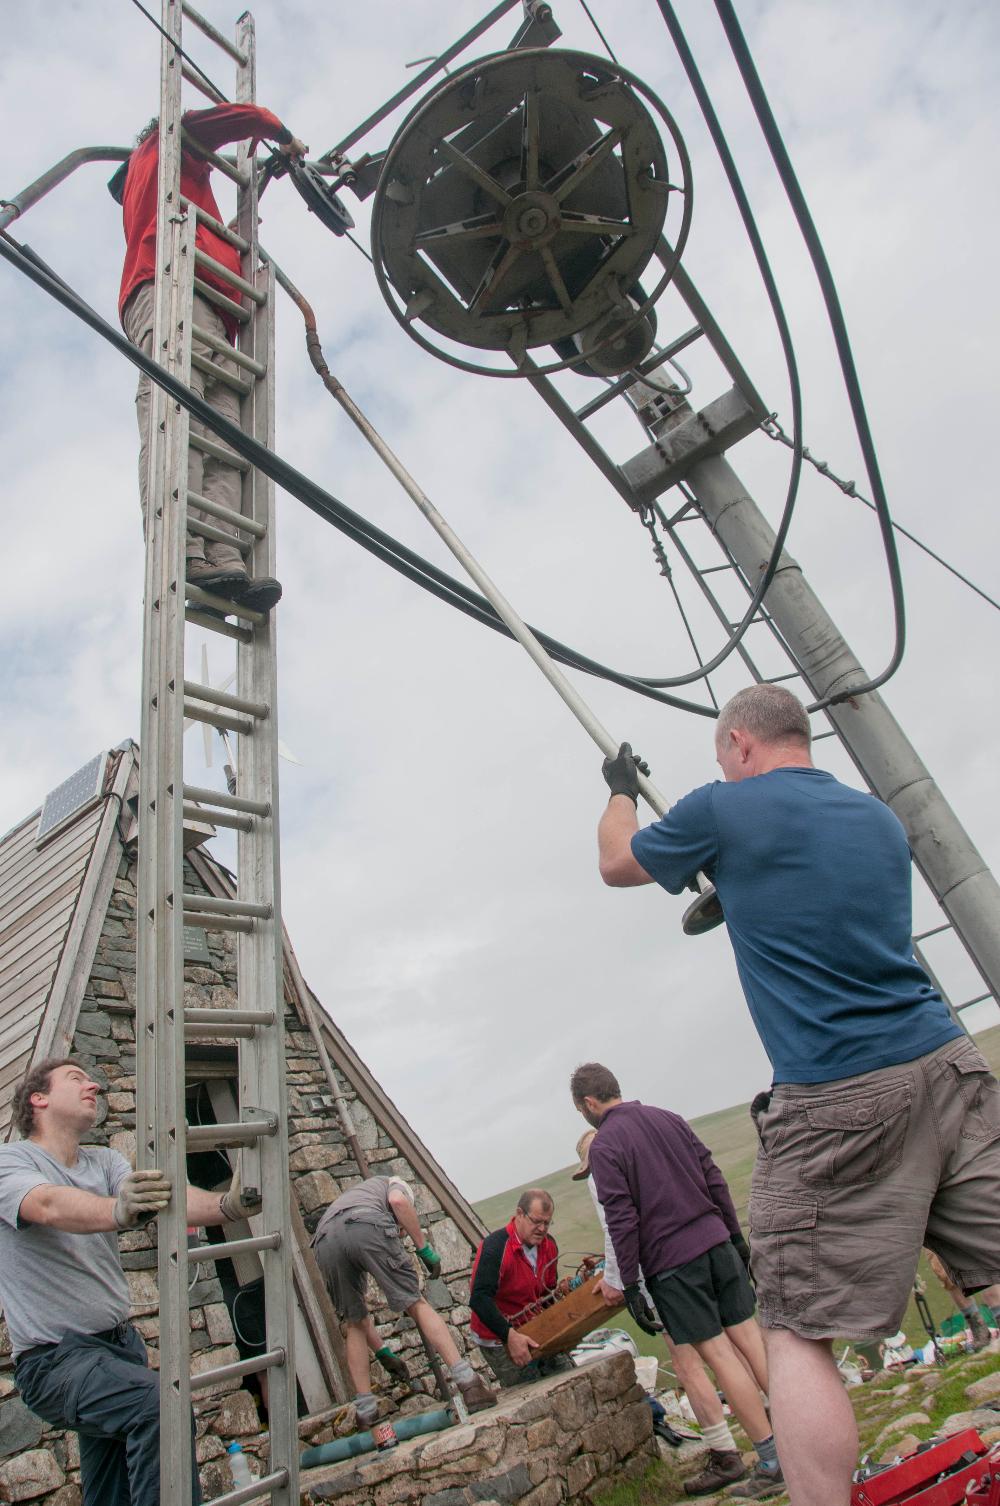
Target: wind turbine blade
x=206 y=734
x=285 y=752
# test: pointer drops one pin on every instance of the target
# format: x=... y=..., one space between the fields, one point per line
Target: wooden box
x=560 y=1326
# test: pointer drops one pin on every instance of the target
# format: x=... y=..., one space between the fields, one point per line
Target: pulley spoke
x=583 y=166
x=479 y=227
x=529 y=140
x=556 y=278
x=474 y=171
x=503 y=259
x=593 y=224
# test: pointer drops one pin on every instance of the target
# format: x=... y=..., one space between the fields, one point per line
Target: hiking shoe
x=722 y=1468
x=394 y=1365
x=977 y=1328
x=227 y=581
x=762 y=1484
x=259 y=595
x=477 y=1395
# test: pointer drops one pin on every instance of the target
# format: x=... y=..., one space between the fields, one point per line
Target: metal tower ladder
x=162 y=1022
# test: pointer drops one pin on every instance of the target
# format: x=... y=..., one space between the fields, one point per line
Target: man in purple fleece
x=669 y=1213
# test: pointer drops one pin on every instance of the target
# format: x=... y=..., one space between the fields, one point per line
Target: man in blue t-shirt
x=881 y=1131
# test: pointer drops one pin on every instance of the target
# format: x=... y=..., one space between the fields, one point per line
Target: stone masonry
x=42 y=1465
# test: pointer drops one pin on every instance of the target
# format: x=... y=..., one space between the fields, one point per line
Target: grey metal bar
x=418 y=82
x=935 y=931
x=219 y=452
x=216 y=226
x=202 y=84
x=243 y=1132
x=218 y=1032
x=217 y=818
x=979 y=999
x=227 y=802
x=225 y=1251
x=267 y=1361
x=215 y=342
x=233 y=1016
x=225 y=721
x=216 y=922
x=11 y=209
x=226 y=514
x=219 y=604
x=223 y=698
x=211 y=904
x=237 y=175
x=208 y=30
x=265 y=1486
x=210 y=531
x=217 y=625
x=650 y=364
x=239 y=384
x=240 y=283
x=227 y=305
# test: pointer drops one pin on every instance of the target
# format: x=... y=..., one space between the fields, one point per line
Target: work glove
x=392 y=1363
x=141 y=1196
x=232 y=1205
x=742 y=1249
x=621 y=774
x=640 y=1310
x=431 y=1260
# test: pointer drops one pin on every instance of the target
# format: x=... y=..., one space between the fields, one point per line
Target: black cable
x=174 y=43
x=777 y=309
x=386 y=548
x=593 y=22
x=804 y=220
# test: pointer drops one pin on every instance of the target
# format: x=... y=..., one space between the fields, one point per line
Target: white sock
x=720 y=1438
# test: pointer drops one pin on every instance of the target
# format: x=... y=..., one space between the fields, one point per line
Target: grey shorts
x=348 y=1249
x=852 y=1177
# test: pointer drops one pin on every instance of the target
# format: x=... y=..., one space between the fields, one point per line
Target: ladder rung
x=225 y=721
x=198 y=1253
x=216 y=226
x=228 y=802
x=256 y=295
x=193 y=812
x=216 y=922
x=644 y=368
x=253 y=1017
x=224 y=348
x=270 y=1360
x=220 y=604
x=979 y=999
x=218 y=451
x=211 y=904
x=217 y=625
x=213 y=35
x=243 y=1132
x=266 y=1485
x=818 y=737
x=712 y=569
x=220 y=374
x=936 y=931
x=793 y=674
x=226 y=514
x=223 y=698
x=210 y=531
x=226 y=168
x=228 y=305
x=201 y=83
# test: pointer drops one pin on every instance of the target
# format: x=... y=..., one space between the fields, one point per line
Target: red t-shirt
x=213 y=128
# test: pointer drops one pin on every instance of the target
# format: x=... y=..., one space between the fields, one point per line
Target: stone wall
x=558 y=1440
x=40 y=1464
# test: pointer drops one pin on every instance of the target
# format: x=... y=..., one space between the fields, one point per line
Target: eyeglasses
x=538 y=1223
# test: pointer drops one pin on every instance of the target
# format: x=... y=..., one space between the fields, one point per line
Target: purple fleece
x=650 y=1160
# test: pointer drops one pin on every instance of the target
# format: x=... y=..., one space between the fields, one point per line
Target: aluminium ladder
x=164 y=909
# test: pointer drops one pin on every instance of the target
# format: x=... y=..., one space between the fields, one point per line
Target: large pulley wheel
x=520 y=203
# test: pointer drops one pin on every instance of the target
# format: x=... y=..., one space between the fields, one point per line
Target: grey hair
x=534 y=1195
x=768 y=712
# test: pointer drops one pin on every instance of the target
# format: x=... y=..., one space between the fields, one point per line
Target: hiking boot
x=227 y=581
x=722 y=1468
x=477 y=1395
x=977 y=1328
x=259 y=595
x=762 y=1484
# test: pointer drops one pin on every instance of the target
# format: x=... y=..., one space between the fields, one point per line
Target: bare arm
x=405 y=1215
x=618 y=825
x=204 y=1208
x=69 y=1209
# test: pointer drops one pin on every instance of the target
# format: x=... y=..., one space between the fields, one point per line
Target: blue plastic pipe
x=364 y=1443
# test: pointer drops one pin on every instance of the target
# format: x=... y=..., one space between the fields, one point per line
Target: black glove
x=742 y=1249
x=640 y=1310
x=621 y=773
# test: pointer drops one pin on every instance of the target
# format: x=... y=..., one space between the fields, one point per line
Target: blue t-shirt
x=814 y=881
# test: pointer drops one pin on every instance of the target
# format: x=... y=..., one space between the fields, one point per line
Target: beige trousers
x=206 y=475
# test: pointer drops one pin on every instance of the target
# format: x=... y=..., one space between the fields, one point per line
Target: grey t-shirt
x=367 y=1201
x=53 y=1283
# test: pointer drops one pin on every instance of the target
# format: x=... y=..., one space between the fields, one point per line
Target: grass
x=730 y=1137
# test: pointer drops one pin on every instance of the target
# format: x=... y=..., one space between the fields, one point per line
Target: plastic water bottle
x=239 y=1466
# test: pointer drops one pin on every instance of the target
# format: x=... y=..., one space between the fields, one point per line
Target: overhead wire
x=371 y=538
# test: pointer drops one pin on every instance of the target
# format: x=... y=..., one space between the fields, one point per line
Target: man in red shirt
x=215 y=566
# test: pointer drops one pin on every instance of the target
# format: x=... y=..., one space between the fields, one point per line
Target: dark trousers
x=101 y=1386
x=510 y=1375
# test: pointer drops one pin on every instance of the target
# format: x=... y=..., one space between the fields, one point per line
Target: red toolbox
x=938 y=1476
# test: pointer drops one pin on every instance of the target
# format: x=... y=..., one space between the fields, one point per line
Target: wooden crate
x=562 y=1325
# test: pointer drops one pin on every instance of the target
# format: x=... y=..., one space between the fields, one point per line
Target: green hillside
x=730 y=1137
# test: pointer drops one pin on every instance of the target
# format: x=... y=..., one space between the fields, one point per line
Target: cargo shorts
x=853 y=1177
x=348 y=1250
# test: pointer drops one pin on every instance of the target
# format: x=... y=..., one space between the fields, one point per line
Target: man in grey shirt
x=78 y=1361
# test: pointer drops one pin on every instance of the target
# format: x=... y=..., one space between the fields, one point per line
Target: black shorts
x=698 y=1300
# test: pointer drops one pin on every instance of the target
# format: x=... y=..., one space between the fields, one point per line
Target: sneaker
x=762 y=1484
x=259 y=595
x=977 y=1328
x=723 y=1467
x=477 y=1395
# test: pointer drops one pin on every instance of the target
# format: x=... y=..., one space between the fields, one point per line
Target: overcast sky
x=438 y=848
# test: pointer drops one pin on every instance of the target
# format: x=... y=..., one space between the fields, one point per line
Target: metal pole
x=942 y=849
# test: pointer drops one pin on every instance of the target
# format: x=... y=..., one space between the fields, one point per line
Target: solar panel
x=76 y=794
